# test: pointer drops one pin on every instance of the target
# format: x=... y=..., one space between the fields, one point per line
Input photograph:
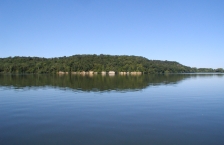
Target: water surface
x=123 y=110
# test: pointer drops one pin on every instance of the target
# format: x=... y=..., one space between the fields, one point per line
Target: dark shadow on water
x=95 y=83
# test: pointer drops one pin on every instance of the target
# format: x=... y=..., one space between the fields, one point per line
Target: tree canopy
x=96 y=63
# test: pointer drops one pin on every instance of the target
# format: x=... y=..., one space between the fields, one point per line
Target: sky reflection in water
x=173 y=109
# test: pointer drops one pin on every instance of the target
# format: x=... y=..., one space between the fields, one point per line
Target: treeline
x=204 y=70
x=96 y=63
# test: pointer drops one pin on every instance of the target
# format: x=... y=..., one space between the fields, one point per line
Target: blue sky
x=187 y=31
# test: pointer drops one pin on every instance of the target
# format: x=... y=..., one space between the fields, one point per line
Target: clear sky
x=187 y=31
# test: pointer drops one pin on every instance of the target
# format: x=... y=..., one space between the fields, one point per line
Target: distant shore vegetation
x=90 y=64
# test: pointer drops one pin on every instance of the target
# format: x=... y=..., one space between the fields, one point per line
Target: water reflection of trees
x=95 y=82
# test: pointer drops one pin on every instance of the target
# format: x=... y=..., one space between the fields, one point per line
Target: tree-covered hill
x=96 y=63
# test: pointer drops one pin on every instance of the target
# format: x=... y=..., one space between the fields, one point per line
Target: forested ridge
x=96 y=63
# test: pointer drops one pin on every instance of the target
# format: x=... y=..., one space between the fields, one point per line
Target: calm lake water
x=185 y=109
